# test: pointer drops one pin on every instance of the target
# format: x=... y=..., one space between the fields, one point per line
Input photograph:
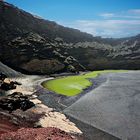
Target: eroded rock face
x=39 y=133
x=15 y=101
x=32 y=53
x=43 y=66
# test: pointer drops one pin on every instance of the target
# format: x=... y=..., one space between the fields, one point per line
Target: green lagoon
x=73 y=85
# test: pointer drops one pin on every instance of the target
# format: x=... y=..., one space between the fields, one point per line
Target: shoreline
x=49 y=109
x=49 y=106
x=31 y=86
x=48 y=116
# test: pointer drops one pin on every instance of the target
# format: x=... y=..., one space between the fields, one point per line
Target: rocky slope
x=37 y=46
x=8 y=71
x=27 y=44
x=34 y=54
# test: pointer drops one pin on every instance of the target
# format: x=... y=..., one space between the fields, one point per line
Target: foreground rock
x=7 y=86
x=15 y=101
x=40 y=134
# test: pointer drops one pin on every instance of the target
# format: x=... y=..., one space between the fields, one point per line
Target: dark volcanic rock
x=95 y=56
x=7 y=86
x=2 y=76
x=35 y=54
x=16 y=83
x=15 y=101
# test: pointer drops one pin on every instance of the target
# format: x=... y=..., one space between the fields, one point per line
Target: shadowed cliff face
x=34 y=54
x=26 y=43
x=33 y=45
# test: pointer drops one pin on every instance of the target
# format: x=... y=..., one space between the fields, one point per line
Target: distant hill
x=96 y=56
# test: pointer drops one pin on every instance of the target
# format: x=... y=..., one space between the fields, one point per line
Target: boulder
x=15 y=101
x=72 y=69
x=16 y=83
x=73 y=64
x=7 y=86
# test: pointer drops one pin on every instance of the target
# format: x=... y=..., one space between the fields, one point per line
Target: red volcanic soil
x=13 y=128
x=10 y=122
x=7 y=126
x=37 y=134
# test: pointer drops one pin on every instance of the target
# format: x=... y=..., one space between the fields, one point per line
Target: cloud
x=107 y=15
x=131 y=14
x=134 y=11
x=107 y=28
x=122 y=24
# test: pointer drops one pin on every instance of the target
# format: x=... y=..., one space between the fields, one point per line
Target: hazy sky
x=106 y=18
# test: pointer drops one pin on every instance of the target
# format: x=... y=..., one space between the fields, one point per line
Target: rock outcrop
x=15 y=101
x=7 y=86
x=32 y=53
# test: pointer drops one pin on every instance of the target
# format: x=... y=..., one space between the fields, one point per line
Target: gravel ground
x=90 y=132
x=112 y=107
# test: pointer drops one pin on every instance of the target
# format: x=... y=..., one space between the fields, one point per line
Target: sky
x=106 y=18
